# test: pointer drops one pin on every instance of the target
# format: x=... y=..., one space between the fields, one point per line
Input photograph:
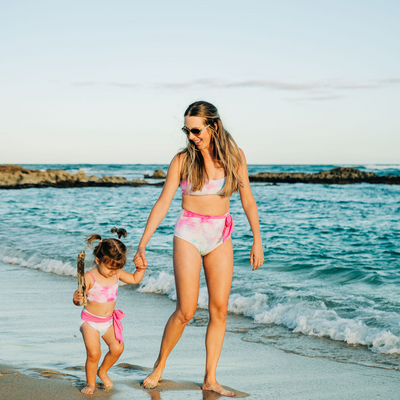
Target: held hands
x=140 y=259
x=256 y=256
x=78 y=297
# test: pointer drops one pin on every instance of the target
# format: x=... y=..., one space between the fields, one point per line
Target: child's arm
x=78 y=295
x=134 y=278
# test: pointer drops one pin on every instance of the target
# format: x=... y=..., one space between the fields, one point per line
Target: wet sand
x=40 y=342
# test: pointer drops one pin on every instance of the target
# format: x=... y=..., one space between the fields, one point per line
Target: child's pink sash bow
x=117 y=315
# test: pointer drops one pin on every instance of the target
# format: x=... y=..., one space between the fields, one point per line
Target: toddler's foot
x=152 y=380
x=89 y=389
x=216 y=387
x=108 y=383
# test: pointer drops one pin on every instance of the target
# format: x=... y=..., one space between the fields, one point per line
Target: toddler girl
x=99 y=317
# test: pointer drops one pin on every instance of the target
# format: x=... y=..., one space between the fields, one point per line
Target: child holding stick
x=99 y=317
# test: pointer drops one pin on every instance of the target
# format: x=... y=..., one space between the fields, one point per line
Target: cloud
x=124 y=85
x=315 y=87
x=356 y=86
x=219 y=84
x=85 y=83
x=272 y=85
x=391 y=80
x=117 y=84
x=318 y=98
x=328 y=87
x=196 y=83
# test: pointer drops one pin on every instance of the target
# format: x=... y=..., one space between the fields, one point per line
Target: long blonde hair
x=226 y=151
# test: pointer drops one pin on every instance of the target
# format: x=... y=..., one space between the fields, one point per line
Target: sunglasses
x=195 y=131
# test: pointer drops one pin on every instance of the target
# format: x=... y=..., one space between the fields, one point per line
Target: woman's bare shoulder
x=176 y=163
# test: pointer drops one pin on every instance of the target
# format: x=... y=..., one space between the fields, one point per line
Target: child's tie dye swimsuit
x=103 y=294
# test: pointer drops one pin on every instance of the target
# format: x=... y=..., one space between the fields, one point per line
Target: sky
x=295 y=81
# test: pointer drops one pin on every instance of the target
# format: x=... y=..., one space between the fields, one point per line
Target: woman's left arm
x=250 y=208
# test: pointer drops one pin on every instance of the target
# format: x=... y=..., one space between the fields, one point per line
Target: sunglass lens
x=195 y=131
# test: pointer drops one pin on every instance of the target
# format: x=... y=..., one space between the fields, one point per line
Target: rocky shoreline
x=17 y=177
x=336 y=176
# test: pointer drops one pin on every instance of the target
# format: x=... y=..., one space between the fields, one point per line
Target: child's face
x=104 y=270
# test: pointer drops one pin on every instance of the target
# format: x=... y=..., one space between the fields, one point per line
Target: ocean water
x=330 y=283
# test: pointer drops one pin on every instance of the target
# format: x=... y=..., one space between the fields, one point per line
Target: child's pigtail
x=92 y=238
x=119 y=231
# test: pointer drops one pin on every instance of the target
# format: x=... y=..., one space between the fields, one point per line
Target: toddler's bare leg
x=91 y=338
x=115 y=350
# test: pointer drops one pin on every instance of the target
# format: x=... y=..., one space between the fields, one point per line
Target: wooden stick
x=81 y=277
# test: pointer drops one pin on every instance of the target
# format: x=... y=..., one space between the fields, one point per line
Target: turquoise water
x=330 y=283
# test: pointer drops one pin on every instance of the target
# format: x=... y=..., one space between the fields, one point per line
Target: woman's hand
x=78 y=297
x=140 y=258
x=256 y=256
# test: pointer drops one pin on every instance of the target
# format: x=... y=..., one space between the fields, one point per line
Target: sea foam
x=299 y=318
x=37 y=262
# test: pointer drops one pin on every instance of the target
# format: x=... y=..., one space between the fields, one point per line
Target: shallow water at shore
x=328 y=288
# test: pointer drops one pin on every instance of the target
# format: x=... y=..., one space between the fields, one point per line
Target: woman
x=209 y=170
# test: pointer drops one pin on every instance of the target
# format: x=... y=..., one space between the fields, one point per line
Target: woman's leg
x=91 y=338
x=187 y=265
x=115 y=350
x=218 y=269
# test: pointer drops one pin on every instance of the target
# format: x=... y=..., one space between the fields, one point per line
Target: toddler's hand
x=141 y=268
x=140 y=259
x=78 y=297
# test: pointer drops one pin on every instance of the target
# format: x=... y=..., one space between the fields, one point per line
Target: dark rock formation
x=158 y=174
x=341 y=176
x=17 y=177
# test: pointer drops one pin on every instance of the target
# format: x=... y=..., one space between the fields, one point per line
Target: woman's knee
x=219 y=312
x=184 y=316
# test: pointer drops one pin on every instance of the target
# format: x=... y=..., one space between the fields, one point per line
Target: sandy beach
x=42 y=353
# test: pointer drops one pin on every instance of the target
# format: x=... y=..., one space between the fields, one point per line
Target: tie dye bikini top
x=102 y=294
x=210 y=187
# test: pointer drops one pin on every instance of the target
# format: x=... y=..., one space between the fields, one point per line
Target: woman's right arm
x=160 y=209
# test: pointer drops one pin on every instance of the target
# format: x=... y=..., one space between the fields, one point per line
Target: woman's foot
x=152 y=380
x=216 y=387
x=108 y=383
x=89 y=389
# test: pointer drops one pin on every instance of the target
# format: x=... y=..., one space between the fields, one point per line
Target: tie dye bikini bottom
x=205 y=232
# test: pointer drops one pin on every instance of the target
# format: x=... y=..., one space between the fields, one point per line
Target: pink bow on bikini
x=117 y=315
